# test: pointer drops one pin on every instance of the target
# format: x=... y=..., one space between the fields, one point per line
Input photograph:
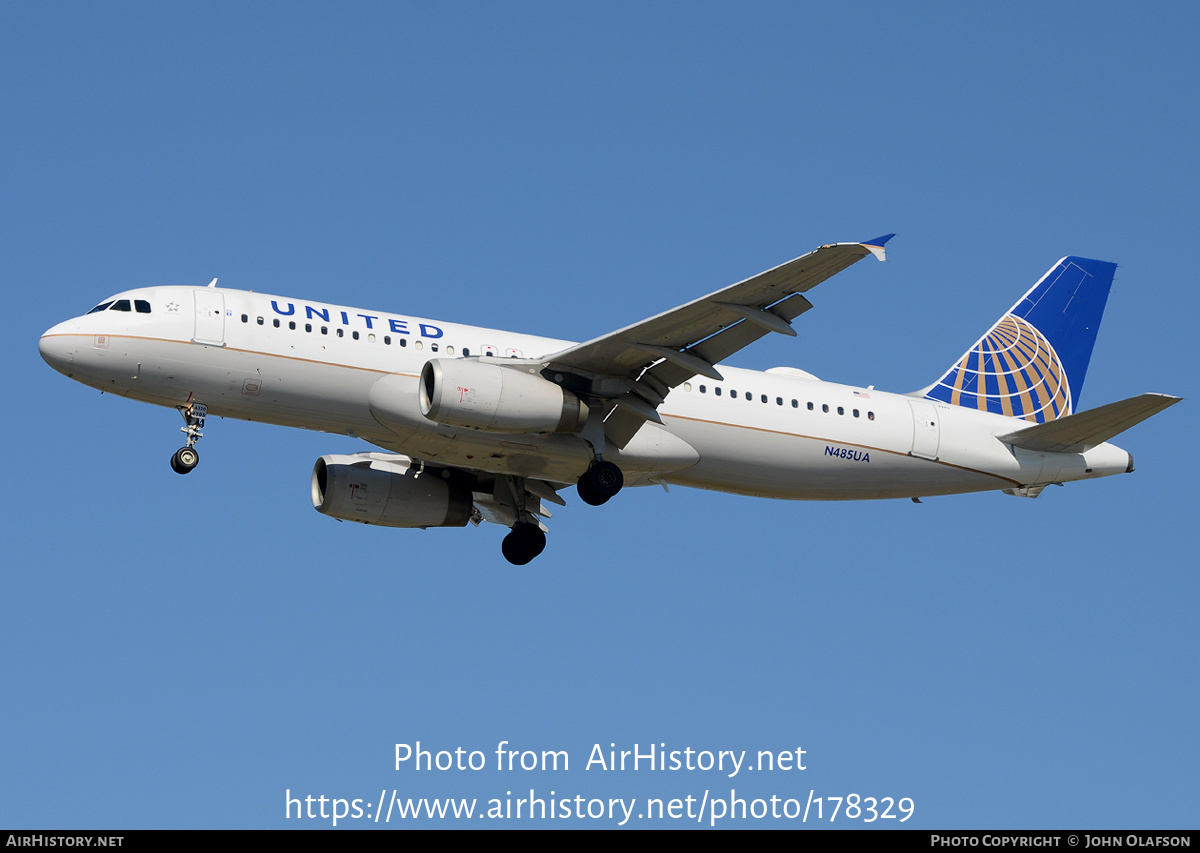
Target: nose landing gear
x=186 y=458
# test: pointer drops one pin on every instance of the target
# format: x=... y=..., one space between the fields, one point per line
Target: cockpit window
x=142 y=306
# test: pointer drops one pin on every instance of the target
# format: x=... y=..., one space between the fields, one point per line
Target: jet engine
x=388 y=490
x=478 y=395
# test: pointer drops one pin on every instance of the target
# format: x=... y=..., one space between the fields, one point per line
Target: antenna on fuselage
x=212 y=283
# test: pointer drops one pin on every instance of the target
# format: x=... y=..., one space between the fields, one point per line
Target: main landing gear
x=186 y=458
x=524 y=543
x=600 y=482
x=527 y=539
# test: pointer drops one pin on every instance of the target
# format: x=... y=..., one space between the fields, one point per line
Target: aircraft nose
x=58 y=347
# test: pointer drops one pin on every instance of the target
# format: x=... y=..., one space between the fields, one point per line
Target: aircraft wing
x=649 y=358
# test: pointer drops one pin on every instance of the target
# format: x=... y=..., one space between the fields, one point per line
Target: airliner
x=476 y=424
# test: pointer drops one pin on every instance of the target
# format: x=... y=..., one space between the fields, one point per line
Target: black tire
x=184 y=460
x=600 y=483
x=586 y=493
x=524 y=543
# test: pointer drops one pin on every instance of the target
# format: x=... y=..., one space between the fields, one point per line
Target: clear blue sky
x=179 y=652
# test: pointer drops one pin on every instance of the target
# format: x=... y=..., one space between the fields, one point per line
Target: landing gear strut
x=524 y=543
x=186 y=458
x=527 y=539
x=600 y=482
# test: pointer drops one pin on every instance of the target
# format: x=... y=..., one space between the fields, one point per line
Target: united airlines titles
x=398 y=326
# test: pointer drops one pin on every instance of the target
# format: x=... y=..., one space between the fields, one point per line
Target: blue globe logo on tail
x=1032 y=363
x=1012 y=371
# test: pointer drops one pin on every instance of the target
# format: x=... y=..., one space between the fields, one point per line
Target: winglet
x=875 y=247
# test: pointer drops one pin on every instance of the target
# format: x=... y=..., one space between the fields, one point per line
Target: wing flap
x=622 y=425
x=729 y=340
x=1082 y=431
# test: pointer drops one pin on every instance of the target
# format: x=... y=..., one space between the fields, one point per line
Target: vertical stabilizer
x=1032 y=363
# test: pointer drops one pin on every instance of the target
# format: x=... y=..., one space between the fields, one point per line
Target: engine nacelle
x=392 y=491
x=477 y=395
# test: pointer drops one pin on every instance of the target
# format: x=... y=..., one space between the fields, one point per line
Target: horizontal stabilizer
x=1081 y=432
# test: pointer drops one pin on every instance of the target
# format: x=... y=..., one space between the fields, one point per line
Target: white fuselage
x=779 y=434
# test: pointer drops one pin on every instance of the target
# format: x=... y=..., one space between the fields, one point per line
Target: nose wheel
x=600 y=482
x=186 y=458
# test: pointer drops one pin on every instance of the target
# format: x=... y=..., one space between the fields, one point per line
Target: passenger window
x=142 y=306
x=292 y=325
x=370 y=337
x=778 y=401
x=703 y=389
x=245 y=318
x=733 y=394
x=870 y=416
x=276 y=322
x=825 y=408
x=387 y=340
x=433 y=347
x=796 y=404
x=466 y=352
x=354 y=335
x=260 y=321
x=404 y=342
x=325 y=331
x=841 y=411
x=764 y=398
x=717 y=390
x=810 y=405
x=856 y=413
x=308 y=327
